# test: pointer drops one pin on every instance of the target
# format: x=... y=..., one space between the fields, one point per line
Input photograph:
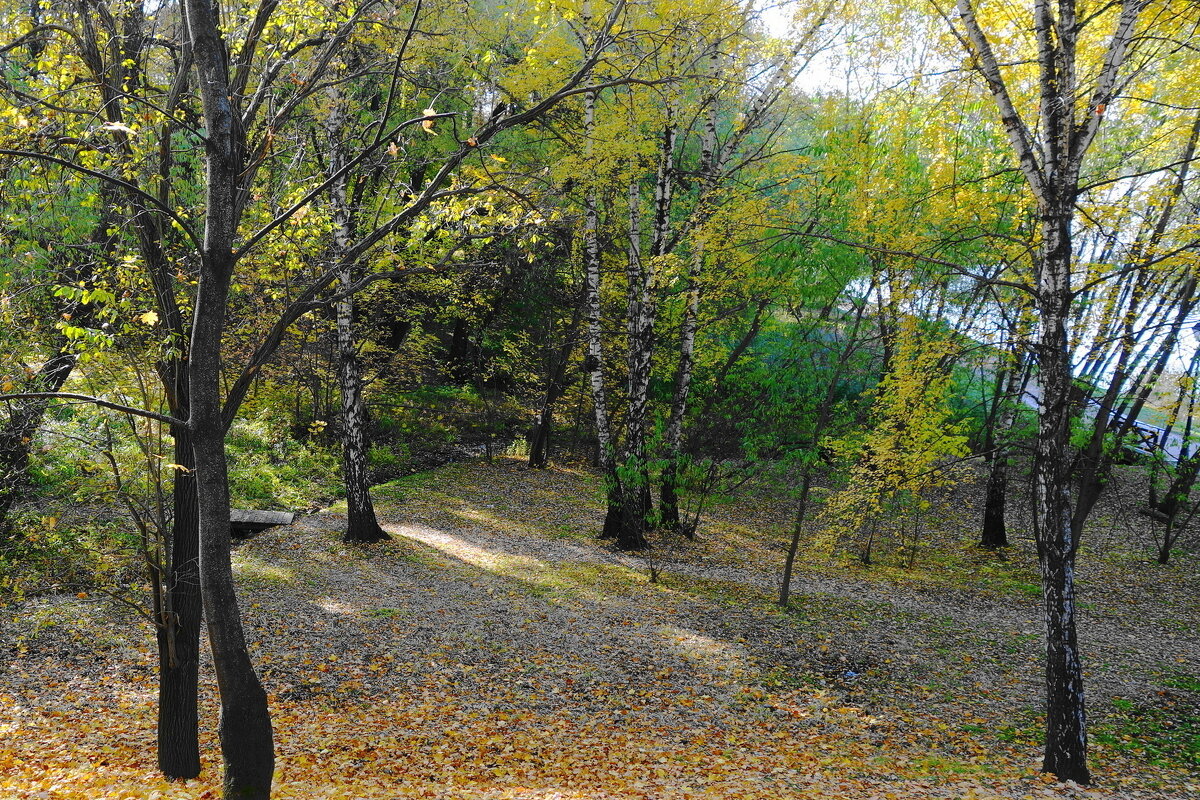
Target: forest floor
x=496 y=649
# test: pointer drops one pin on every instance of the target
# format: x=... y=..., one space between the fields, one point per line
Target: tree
x=232 y=158
x=1082 y=64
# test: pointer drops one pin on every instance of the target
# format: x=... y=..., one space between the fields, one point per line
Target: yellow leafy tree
x=909 y=449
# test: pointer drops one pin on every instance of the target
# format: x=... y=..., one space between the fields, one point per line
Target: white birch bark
x=1051 y=158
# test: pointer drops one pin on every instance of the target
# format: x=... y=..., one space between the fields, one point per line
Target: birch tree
x=1081 y=64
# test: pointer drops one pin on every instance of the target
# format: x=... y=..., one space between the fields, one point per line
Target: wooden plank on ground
x=242 y=519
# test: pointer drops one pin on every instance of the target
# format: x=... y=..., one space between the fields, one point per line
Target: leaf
x=149 y=318
x=427 y=125
x=118 y=127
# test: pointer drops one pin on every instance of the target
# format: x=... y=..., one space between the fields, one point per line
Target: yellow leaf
x=118 y=127
x=148 y=318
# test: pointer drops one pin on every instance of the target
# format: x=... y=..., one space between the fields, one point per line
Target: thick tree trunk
x=1051 y=154
x=1066 y=716
x=244 y=729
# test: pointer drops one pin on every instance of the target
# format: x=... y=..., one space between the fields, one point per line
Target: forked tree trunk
x=1051 y=154
x=244 y=729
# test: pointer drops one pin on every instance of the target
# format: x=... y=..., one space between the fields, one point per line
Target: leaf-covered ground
x=496 y=649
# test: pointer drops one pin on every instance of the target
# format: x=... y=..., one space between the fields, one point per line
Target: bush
x=269 y=469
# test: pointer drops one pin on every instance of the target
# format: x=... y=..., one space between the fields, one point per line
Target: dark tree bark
x=539 y=435
x=18 y=431
x=994 y=534
x=789 y=562
x=178 y=631
x=1009 y=382
x=244 y=729
x=179 y=617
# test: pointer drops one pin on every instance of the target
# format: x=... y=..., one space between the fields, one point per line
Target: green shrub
x=269 y=469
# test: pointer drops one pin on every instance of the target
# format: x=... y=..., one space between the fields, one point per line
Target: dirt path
x=494 y=649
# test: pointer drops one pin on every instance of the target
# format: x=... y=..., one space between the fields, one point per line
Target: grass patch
x=256 y=572
x=1187 y=683
x=1165 y=733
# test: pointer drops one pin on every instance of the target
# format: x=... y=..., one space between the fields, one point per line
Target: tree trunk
x=785 y=584
x=178 y=632
x=16 y=436
x=994 y=534
x=995 y=531
x=594 y=361
x=668 y=511
x=635 y=484
x=361 y=524
x=1066 y=716
x=1051 y=155
x=244 y=729
x=539 y=435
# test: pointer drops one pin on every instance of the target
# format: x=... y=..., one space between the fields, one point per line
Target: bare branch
x=96 y=401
